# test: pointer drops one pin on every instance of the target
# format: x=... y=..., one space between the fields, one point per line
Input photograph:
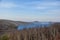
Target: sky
x=30 y=10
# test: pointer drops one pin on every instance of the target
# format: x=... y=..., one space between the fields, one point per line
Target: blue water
x=34 y=25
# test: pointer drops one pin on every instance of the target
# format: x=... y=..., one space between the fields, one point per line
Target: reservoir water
x=34 y=25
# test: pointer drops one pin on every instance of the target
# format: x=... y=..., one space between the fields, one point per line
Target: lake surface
x=34 y=25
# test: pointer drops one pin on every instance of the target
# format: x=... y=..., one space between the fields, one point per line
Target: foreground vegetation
x=43 y=33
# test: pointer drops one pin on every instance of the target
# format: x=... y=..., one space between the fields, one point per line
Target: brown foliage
x=45 y=33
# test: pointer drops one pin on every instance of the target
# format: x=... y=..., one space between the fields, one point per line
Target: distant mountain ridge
x=9 y=24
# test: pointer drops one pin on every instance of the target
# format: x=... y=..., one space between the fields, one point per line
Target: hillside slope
x=9 y=23
x=6 y=25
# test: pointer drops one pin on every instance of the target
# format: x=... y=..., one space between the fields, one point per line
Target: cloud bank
x=41 y=10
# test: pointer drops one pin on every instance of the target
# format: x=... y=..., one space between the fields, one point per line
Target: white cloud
x=7 y=5
x=32 y=5
x=47 y=5
x=41 y=5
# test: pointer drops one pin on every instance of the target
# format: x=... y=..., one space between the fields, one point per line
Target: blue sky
x=30 y=10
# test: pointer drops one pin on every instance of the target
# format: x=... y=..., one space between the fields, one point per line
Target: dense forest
x=42 y=33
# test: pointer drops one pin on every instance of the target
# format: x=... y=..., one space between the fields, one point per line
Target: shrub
x=4 y=37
